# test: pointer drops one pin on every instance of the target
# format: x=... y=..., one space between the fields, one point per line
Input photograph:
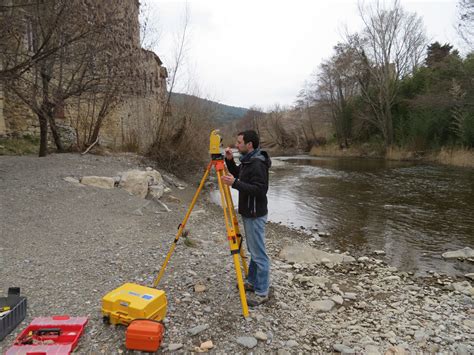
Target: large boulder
x=103 y=182
x=156 y=191
x=302 y=254
x=137 y=182
x=465 y=253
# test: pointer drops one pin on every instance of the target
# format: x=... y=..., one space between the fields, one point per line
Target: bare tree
x=42 y=84
x=465 y=26
x=306 y=103
x=179 y=57
x=150 y=34
x=252 y=119
x=275 y=128
x=113 y=70
x=191 y=119
x=72 y=68
x=390 y=46
x=336 y=87
x=18 y=48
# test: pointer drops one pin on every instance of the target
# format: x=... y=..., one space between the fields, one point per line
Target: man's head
x=247 y=141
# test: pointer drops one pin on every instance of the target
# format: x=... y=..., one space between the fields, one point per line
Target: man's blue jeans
x=259 y=266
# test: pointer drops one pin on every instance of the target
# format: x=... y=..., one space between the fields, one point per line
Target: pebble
x=371 y=349
x=198 y=329
x=207 y=345
x=199 y=288
x=343 y=349
x=322 y=306
x=248 y=342
x=395 y=350
x=337 y=299
x=174 y=346
x=350 y=295
x=261 y=336
x=469 y=323
x=462 y=349
x=291 y=343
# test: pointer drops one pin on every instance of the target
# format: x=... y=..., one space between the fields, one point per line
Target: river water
x=413 y=212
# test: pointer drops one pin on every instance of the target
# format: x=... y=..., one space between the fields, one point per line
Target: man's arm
x=258 y=184
x=232 y=167
x=229 y=161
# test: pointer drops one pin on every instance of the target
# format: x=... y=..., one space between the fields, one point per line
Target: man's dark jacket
x=251 y=182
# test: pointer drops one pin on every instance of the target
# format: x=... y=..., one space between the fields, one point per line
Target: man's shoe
x=254 y=300
x=248 y=287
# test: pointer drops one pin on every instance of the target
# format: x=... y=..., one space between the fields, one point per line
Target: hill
x=222 y=113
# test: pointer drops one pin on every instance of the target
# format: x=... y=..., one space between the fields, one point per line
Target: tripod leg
x=235 y=224
x=181 y=226
x=233 y=240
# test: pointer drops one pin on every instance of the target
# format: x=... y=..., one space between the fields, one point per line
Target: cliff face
x=139 y=89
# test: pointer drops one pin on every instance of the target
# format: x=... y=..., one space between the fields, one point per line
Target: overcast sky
x=260 y=52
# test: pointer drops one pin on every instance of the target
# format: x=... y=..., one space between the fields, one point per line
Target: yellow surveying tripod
x=231 y=223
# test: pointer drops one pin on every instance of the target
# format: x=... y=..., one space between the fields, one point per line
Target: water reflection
x=413 y=212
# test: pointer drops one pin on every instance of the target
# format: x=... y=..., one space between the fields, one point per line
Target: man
x=250 y=178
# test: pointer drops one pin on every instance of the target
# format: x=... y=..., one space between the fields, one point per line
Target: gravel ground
x=67 y=245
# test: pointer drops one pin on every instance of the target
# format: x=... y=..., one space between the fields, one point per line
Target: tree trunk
x=389 y=125
x=104 y=110
x=46 y=109
x=43 y=122
x=56 y=136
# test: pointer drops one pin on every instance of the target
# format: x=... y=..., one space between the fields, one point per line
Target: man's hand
x=228 y=154
x=228 y=179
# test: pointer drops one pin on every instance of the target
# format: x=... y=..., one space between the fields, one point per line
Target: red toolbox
x=144 y=335
x=56 y=335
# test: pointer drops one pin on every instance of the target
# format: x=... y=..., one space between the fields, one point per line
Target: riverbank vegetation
x=380 y=85
x=455 y=156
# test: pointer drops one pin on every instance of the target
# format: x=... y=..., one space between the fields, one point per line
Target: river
x=414 y=212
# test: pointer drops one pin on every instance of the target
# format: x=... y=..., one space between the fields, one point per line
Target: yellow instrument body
x=215 y=142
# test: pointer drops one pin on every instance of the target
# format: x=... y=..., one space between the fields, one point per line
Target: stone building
x=132 y=121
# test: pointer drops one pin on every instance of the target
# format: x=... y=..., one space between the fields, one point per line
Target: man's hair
x=250 y=136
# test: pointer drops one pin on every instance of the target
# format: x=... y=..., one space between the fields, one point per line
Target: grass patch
x=372 y=150
x=455 y=156
x=397 y=153
x=19 y=146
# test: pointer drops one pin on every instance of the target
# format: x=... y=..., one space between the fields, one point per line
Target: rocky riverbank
x=66 y=245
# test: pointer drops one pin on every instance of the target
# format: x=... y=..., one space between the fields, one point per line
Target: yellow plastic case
x=132 y=301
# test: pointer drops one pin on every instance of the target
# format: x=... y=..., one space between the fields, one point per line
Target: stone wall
x=132 y=122
x=135 y=120
x=19 y=119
